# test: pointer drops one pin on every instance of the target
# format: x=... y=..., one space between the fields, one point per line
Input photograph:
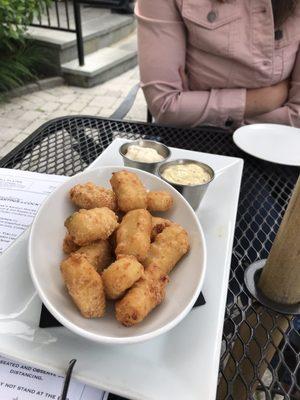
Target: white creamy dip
x=186 y=174
x=143 y=154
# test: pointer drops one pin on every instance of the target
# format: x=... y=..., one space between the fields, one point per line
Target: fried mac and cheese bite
x=121 y=275
x=89 y=195
x=142 y=298
x=133 y=234
x=69 y=246
x=84 y=285
x=86 y=226
x=98 y=254
x=159 y=201
x=167 y=249
x=130 y=191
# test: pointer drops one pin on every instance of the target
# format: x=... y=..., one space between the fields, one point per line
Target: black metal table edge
x=270 y=180
x=38 y=131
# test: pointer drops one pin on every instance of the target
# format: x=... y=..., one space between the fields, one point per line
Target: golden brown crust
x=90 y=196
x=98 y=254
x=159 y=201
x=133 y=234
x=130 y=192
x=142 y=298
x=158 y=225
x=69 y=246
x=84 y=285
x=86 y=226
x=168 y=248
x=121 y=275
x=89 y=272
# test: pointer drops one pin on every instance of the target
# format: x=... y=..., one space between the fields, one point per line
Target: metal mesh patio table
x=260 y=348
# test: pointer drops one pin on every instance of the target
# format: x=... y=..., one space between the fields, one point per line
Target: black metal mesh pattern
x=260 y=350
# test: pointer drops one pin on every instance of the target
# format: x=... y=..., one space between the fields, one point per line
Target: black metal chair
x=127 y=104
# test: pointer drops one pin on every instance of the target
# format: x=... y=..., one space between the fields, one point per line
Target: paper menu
x=23 y=382
x=21 y=194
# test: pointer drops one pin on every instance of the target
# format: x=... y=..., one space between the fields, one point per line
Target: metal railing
x=65 y=15
x=55 y=17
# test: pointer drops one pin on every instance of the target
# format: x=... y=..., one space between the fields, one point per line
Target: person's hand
x=264 y=100
x=258 y=101
x=184 y=79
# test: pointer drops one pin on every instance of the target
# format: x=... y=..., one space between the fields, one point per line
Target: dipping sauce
x=143 y=154
x=186 y=174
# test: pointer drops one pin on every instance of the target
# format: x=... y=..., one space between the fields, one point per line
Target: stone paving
x=23 y=115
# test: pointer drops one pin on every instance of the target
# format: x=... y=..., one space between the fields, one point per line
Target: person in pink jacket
x=220 y=62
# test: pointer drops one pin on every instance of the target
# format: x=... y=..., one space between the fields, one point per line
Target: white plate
x=270 y=142
x=45 y=255
x=181 y=364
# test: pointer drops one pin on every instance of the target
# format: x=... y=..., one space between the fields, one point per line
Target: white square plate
x=182 y=363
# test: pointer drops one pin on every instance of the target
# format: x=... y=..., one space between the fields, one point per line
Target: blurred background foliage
x=19 y=58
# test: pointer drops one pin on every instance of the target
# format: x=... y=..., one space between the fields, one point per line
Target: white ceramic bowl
x=45 y=254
